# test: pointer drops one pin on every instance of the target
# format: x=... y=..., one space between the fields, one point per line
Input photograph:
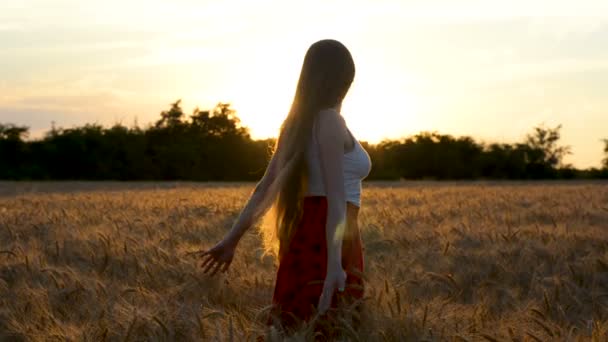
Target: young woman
x=313 y=187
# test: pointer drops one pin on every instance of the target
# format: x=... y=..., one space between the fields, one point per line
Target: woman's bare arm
x=331 y=137
x=256 y=205
x=220 y=256
x=331 y=132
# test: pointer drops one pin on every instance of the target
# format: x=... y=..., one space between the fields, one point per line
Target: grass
x=455 y=261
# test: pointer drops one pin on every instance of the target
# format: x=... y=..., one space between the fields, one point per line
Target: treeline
x=212 y=145
x=207 y=145
x=438 y=156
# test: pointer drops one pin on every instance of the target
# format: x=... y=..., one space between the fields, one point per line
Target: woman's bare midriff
x=352 y=225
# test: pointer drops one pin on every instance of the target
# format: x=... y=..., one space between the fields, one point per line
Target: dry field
x=457 y=262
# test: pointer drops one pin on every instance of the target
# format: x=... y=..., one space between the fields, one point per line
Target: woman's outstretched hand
x=335 y=280
x=218 y=258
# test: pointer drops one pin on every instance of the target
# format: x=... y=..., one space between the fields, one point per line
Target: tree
x=213 y=145
x=13 y=150
x=219 y=122
x=13 y=132
x=546 y=139
x=173 y=117
x=605 y=161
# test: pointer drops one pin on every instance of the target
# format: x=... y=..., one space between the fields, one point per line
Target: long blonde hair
x=327 y=73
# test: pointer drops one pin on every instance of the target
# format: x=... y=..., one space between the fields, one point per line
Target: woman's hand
x=219 y=257
x=335 y=280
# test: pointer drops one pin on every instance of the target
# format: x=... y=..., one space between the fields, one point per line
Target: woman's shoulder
x=331 y=117
x=330 y=122
x=331 y=112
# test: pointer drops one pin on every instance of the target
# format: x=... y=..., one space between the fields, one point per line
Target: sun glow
x=379 y=105
x=486 y=69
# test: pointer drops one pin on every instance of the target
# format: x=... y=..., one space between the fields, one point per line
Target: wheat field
x=444 y=261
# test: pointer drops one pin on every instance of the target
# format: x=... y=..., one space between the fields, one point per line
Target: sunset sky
x=489 y=69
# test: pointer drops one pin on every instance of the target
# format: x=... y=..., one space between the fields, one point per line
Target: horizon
x=39 y=135
x=483 y=69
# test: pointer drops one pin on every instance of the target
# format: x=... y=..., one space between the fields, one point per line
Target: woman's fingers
x=341 y=284
x=216 y=269
x=225 y=267
x=206 y=259
x=333 y=283
x=324 y=300
x=324 y=303
x=214 y=261
x=210 y=266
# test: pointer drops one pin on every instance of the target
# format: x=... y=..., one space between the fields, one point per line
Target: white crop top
x=356 y=167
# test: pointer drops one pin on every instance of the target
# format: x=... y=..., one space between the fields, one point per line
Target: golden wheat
x=458 y=261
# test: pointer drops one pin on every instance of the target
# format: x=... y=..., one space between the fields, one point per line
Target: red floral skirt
x=303 y=267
